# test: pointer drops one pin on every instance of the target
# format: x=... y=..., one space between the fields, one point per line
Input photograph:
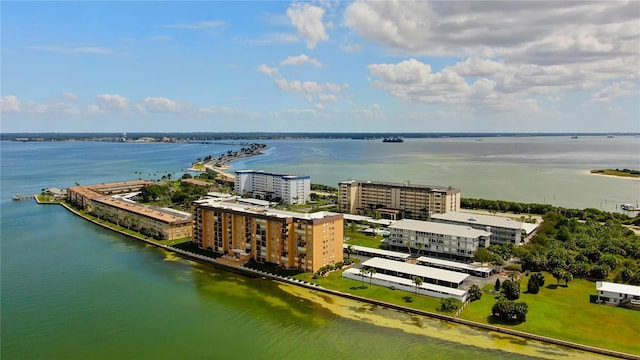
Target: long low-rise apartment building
x=160 y=223
x=437 y=239
x=503 y=230
x=405 y=284
x=250 y=232
x=291 y=189
x=396 y=200
x=429 y=275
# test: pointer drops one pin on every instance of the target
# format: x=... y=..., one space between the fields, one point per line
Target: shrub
x=513 y=267
x=449 y=305
x=532 y=286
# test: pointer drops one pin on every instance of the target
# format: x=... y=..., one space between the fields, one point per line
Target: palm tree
x=417 y=280
x=372 y=272
x=363 y=273
x=420 y=246
x=349 y=251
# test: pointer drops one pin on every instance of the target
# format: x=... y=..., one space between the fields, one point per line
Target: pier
x=23 y=197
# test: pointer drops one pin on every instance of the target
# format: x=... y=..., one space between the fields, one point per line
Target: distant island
x=617 y=172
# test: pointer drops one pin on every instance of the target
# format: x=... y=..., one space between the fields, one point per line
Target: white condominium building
x=437 y=239
x=503 y=230
x=292 y=189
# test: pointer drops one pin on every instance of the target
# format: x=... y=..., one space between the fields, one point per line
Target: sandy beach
x=588 y=172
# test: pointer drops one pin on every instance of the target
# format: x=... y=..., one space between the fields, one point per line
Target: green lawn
x=335 y=281
x=360 y=239
x=565 y=313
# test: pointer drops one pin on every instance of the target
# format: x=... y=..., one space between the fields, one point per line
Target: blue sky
x=320 y=66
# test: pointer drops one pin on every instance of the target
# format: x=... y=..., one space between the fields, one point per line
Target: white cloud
x=267 y=70
x=300 y=60
x=9 y=103
x=112 y=102
x=272 y=39
x=308 y=89
x=538 y=48
x=70 y=96
x=615 y=90
x=160 y=105
x=307 y=19
x=198 y=25
x=413 y=80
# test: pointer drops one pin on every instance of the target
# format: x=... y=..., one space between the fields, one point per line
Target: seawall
x=257 y=273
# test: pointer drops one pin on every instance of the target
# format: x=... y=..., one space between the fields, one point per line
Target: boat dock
x=23 y=197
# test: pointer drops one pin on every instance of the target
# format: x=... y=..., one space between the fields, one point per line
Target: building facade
x=287 y=239
x=618 y=294
x=436 y=239
x=160 y=223
x=413 y=201
x=503 y=230
x=292 y=189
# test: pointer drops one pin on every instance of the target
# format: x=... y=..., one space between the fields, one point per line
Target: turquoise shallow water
x=72 y=290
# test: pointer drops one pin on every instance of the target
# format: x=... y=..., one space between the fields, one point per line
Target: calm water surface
x=71 y=290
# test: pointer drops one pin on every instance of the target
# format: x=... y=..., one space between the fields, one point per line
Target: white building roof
x=618 y=288
x=351 y=217
x=378 y=251
x=438 y=228
x=529 y=228
x=256 y=209
x=254 y=202
x=409 y=282
x=424 y=272
x=486 y=220
x=454 y=264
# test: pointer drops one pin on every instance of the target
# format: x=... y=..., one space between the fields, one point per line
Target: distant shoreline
x=589 y=172
x=203 y=137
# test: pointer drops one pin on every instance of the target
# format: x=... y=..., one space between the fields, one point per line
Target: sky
x=320 y=66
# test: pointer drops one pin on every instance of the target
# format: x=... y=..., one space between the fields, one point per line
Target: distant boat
x=609 y=136
x=574 y=137
x=629 y=207
x=393 y=140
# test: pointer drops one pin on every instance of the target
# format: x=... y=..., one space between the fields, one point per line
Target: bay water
x=72 y=290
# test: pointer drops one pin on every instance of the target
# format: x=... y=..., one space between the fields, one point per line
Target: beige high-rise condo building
x=290 y=240
x=396 y=200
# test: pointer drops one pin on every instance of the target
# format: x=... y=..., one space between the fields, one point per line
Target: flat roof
x=378 y=251
x=254 y=201
x=351 y=217
x=487 y=220
x=529 y=228
x=618 y=288
x=404 y=185
x=438 y=228
x=454 y=264
x=416 y=270
x=156 y=213
x=257 y=209
x=284 y=176
x=409 y=282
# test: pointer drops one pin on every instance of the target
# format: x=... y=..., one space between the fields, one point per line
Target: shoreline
x=222 y=163
x=257 y=273
x=588 y=172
